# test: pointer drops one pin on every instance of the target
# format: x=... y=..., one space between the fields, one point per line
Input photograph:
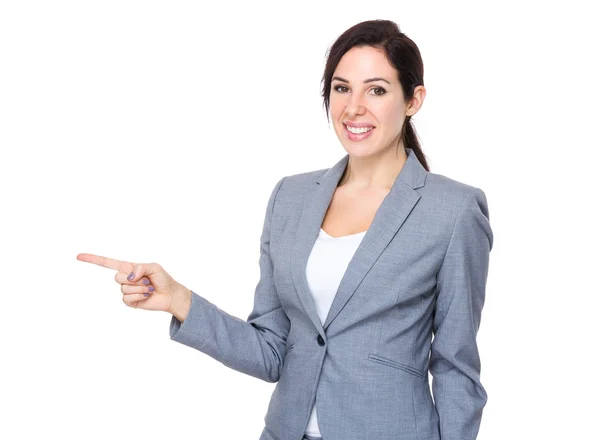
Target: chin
x=360 y=150
x=363 y=150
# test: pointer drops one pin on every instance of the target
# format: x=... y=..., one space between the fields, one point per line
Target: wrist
x=181 y=303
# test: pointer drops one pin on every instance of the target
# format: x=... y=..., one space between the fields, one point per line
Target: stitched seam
x=415 y=411
x=271 y=226
x=282 y=359
x=459 y=211
x=440 y=405
x=273 y=210
x=440 y=411
x=414 y=356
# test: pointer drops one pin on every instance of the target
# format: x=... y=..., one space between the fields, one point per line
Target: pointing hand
x=147 y=278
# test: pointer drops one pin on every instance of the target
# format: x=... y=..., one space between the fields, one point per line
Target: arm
x=254 y=347
x=454 y=364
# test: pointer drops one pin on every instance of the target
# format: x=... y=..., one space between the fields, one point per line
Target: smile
x=358 y=134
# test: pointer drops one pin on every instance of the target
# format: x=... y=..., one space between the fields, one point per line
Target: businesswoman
x=361 y=266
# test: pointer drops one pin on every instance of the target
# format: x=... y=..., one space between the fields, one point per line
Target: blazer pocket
x=398 y=365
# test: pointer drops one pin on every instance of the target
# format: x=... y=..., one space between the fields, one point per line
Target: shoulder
x=295 y=184
x=438 y=185
x=290 y=189
x=448 y=196
x=304 y=179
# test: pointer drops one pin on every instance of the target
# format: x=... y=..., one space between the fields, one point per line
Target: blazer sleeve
x=255 y=346
x=454 y=362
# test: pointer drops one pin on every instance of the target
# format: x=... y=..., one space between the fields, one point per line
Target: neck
x=373 y=172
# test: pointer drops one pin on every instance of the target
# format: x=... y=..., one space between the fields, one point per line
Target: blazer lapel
x=390 y=216
x=313 y=212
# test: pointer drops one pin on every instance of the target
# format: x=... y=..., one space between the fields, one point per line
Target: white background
x=155 y=131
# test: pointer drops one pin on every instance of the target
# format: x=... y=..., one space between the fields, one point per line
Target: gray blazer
x=420 y=271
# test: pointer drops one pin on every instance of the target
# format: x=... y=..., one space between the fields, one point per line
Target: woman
x=360 y=265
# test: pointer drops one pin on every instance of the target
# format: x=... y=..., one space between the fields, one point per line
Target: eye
x=337 y=88
x=379 y=91
x=382 y=91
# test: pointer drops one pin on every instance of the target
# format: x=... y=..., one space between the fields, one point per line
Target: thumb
x=137 y=272
x=140 y=270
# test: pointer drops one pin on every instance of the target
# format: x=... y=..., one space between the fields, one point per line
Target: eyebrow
x=365 y=81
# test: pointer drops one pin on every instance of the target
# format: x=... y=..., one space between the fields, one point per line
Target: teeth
x=358 y=130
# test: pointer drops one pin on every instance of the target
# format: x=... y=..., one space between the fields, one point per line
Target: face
x=366 y=92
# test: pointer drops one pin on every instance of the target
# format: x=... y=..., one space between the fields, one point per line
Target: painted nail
x=130 y=276
x=146 y=281
x=146 y=294
x=151 y=289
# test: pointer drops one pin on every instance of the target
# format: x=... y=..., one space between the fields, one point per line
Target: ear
x=416 y=101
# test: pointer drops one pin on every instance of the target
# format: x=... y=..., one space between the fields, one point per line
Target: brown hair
x=400 y=51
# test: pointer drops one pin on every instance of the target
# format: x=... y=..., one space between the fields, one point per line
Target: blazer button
x=320 y=340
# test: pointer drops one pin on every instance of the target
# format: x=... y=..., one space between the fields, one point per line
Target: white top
x=326 y=266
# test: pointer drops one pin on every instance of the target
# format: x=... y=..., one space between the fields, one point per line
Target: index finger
x=121 y=266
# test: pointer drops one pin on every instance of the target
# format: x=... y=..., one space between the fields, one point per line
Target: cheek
x=336 y=108
x=391 y=116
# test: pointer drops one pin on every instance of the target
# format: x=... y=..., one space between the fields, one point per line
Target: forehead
x=365 y=62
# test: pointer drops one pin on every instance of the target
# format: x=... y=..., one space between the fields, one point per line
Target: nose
x=353 y=111
x=355 y=106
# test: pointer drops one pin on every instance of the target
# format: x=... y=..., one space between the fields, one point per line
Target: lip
x=357 y=124
x=358 y=137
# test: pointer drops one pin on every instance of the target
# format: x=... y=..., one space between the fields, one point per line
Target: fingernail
x=130 y=276
x=151 y=289
x=146 y=294
x=146 y=281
